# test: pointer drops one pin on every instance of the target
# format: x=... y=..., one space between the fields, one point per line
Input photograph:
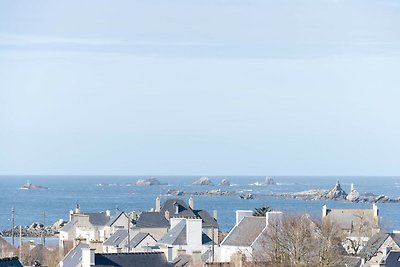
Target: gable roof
x=10 y=262
x=112 y=219
x=152 y=220
x=74 y=257
x=376 y=241
x=69 y=225
x=117 y=238
x=138 y=238
x=246 y=232
x=176 y=236
x=183 y=209
x=131 y=259
x=349 y=219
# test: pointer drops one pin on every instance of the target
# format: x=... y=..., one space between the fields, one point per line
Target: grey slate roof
x=131 y=259
x=117 y=238
x=375 y=242
x=98 y=218
x=183 y=209
x=392 y=259
x=74 y=257
x=182 y=261
x=246 y=232
x=208 y=221
x=10 y=262
x=152 y=220
x=176 y=236
x=68 y=226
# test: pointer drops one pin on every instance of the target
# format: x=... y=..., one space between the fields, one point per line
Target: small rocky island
x=149 y=182
x=225 y=182
x=30 y=186
x=203 y=181
x=269 y=181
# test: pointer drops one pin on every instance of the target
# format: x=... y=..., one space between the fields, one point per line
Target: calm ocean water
x=65 y=191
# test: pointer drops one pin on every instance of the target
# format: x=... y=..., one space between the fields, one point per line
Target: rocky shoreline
x=35 y=230
x=336 y=194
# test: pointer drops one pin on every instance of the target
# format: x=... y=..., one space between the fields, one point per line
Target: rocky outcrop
x=225 y=182
x=353 y=196
x=36 y=230
x=148 y=182
x=336 y=193
x=269 y=181
x=203 y=181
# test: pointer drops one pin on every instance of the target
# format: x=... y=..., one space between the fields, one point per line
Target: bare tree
x=298 y=240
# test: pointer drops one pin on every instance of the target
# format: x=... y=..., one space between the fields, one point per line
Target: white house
x=246 y=236
x=185 y=237
x=91 y=228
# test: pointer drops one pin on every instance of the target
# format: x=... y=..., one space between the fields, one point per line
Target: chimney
x=386 y=251
x=196 y=258
x=240 y=214
x=194 y=232
x=375 y=209
x=71 y=214
x=191 y=202
x=324 y=211
x=87 y=257
x=176 y=205
x=166 y=214
x=215 y=215
x=158 y=204
x=77 y=208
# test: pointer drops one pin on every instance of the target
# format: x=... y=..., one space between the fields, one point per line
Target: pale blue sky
x=200 y=87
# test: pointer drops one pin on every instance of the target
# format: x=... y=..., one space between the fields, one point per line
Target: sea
x=100 y=193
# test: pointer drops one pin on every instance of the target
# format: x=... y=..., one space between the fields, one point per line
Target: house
x=176 y=207
x=10 y=262
x=157 y=221
x=246 y=236
x=185 y=237
x=92 y=228
x=378 y=247
x=154 y=223
x=139 y=242
x=358 y=225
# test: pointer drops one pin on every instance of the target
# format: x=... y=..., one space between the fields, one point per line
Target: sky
x=213 y=87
